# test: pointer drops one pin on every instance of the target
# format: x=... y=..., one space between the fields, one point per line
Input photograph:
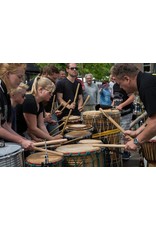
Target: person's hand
x=27 y=144
x=58 y=136
x=58 y=112
x=80 y=108
x=71 y=106
x=119 y=107
x=130 y=146
x=130 y=133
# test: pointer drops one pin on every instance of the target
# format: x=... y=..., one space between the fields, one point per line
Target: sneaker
x=126 y=155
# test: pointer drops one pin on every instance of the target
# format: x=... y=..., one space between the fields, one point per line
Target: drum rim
x=33 y=163
x=20 y=149
x=83 y=133
x=78 y=153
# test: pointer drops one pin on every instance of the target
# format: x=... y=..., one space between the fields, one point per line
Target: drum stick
x=50 y=142
x=65 y=106
x=70 y=141
x=77 y=89
x=109 y=145
x=138 y=119
x=114 y=122
x=52 y=106
x=87 y=99
x=62 y=132
x=56 y=128
x=58 y=107
x=48 y=151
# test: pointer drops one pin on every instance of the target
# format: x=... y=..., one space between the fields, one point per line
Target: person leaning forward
x=132 y=80
x=11 y=75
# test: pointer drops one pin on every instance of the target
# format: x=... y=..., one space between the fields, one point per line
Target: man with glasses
x=132 y=80
x=66 y=90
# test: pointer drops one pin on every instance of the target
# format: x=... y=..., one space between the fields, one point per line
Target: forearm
x=80 y=101
x=148 y=132
x=40 y=133
x=10 y=135
x=128 y=101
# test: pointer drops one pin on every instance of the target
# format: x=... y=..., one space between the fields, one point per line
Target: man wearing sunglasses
x=66 y=90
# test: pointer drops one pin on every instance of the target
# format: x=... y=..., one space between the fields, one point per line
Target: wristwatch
x=136 y=142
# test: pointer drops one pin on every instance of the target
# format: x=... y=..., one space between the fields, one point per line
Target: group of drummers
x=51 y=110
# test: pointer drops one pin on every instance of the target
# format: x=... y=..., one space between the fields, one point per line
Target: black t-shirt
x=147 y=91
x=47 y=105
x=120 y=93
x=5 y=104
x=29 y=106
x=68 y=89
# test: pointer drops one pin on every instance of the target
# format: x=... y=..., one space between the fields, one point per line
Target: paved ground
x=135 y=161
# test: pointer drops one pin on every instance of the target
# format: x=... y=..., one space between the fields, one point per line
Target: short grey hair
x=89 y=74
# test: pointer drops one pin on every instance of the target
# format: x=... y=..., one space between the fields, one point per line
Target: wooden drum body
x=80 y=155
x=99 y=121
x=38 y=160
x=101 y=156
x=149 y=150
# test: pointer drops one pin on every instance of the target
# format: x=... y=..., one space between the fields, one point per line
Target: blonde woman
x=17 y=97
x=11 y=75
x=30 y=119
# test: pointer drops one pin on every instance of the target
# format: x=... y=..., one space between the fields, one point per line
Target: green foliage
x=100 y=71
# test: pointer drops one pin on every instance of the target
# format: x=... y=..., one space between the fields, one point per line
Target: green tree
x=100 y=71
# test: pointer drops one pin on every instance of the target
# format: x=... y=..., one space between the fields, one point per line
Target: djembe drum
x=38 y=160
x=72 y=119
x=80 y=155
x=107 y=157
x=101 y=123
x=78 y=127
x=149 y=151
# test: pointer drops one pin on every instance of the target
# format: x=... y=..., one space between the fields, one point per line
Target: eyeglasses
x=49 y=91
x=73 y=68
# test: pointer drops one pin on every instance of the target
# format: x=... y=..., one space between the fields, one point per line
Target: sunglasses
x=73 y=68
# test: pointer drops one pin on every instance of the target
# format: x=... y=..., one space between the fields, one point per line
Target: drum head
x=79 y=127
x=9 y=148
x=90 y=141
x=71 y=118
x=39 y=158
x=75 y=134
x=77 y=149
x=112 y=111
